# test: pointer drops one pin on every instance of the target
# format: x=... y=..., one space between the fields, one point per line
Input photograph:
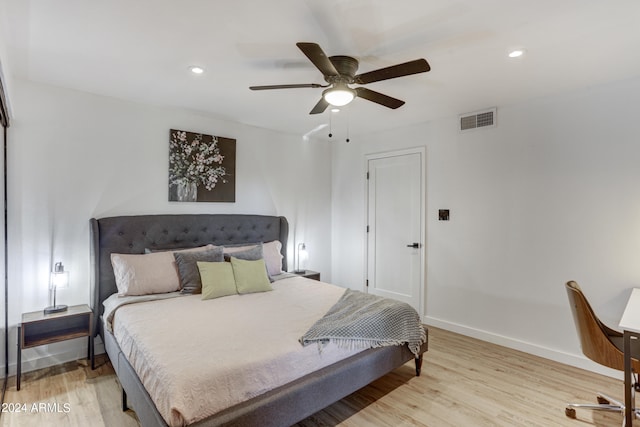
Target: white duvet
x=196 y=358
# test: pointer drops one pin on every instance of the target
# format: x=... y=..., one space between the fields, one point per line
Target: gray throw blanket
x=360 y=320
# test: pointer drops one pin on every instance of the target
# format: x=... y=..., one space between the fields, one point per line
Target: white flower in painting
x=195 y=161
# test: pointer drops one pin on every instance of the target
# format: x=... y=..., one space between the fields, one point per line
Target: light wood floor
x=464 y=382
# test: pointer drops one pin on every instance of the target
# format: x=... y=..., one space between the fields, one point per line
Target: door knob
x=414 y=245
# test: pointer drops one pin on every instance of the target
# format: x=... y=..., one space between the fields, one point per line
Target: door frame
x=422 y=151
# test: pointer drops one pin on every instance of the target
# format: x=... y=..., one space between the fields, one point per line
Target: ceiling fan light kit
x=339 y=95
x=340 y=71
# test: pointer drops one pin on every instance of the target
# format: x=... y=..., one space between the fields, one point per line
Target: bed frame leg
x=418 y=365
x=124 y=401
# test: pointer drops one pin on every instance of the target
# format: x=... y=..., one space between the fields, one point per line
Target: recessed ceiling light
x=335 y=110
x=196 y=70
x=516 y=53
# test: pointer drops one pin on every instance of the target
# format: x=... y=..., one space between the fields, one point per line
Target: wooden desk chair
x=601 y=344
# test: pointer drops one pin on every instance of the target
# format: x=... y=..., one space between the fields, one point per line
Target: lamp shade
x=59 y=279
x=301 y=258
x=339 y=95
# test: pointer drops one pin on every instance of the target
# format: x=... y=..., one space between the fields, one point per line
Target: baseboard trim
x=576 y=360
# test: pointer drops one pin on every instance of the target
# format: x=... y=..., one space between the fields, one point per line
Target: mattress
x=197 y=357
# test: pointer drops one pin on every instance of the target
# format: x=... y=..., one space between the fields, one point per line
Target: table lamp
x=59 y=279
x=302 y=256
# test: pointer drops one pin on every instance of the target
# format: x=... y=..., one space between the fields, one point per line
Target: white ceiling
x=141 y=49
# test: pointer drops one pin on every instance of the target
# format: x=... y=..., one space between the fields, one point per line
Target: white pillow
x=271 y=252
x=144 y=274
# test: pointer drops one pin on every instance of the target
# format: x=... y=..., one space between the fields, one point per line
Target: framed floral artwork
x=201 y=167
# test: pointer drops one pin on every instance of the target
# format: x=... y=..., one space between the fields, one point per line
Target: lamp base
x=55 y=309
x=299 y=271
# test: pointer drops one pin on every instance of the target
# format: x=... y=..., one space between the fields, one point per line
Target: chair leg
x=595 y=407
x=605 y=403
x=604 y=399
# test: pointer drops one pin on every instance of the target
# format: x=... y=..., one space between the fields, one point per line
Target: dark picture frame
x=202 y=167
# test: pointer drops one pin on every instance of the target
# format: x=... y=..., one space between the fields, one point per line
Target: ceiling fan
x=340 y=71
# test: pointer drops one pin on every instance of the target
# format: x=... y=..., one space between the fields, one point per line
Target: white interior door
x=395 y=236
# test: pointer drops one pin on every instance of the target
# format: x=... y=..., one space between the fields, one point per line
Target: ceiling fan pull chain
x=330 y=125
x=348 y=122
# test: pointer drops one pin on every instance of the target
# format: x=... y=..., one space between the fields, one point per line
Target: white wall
x=74 y=156
x=549 y=195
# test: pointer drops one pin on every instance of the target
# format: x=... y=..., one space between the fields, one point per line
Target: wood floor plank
x=68 y=395
x=464 y=382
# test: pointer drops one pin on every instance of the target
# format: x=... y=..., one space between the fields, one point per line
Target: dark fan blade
x=406 y=69
x=316 y=55
x=286 y=86
x=379 y=98
x=320 y=107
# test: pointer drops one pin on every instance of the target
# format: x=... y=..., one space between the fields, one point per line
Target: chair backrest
x=594 y=335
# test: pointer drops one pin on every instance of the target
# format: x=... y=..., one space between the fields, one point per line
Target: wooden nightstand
x=38 y=328
x=309 y=274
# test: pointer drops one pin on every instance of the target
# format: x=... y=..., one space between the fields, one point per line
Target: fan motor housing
x=346 y=66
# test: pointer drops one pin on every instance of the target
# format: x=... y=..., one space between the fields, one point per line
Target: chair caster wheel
x=603 y=401
x=570 y=412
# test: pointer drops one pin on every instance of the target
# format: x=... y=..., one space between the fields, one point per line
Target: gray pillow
x=252 y=254
x=188 y=268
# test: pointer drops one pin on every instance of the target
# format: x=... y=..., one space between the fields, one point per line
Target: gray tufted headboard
x=134 y=234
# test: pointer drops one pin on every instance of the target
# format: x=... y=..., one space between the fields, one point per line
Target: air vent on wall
x=478 y=119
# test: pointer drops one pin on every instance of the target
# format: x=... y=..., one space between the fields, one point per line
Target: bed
x=283 y=405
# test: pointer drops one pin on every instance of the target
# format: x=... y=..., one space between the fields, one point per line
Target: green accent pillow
x=217 y=279
x=251 y=276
